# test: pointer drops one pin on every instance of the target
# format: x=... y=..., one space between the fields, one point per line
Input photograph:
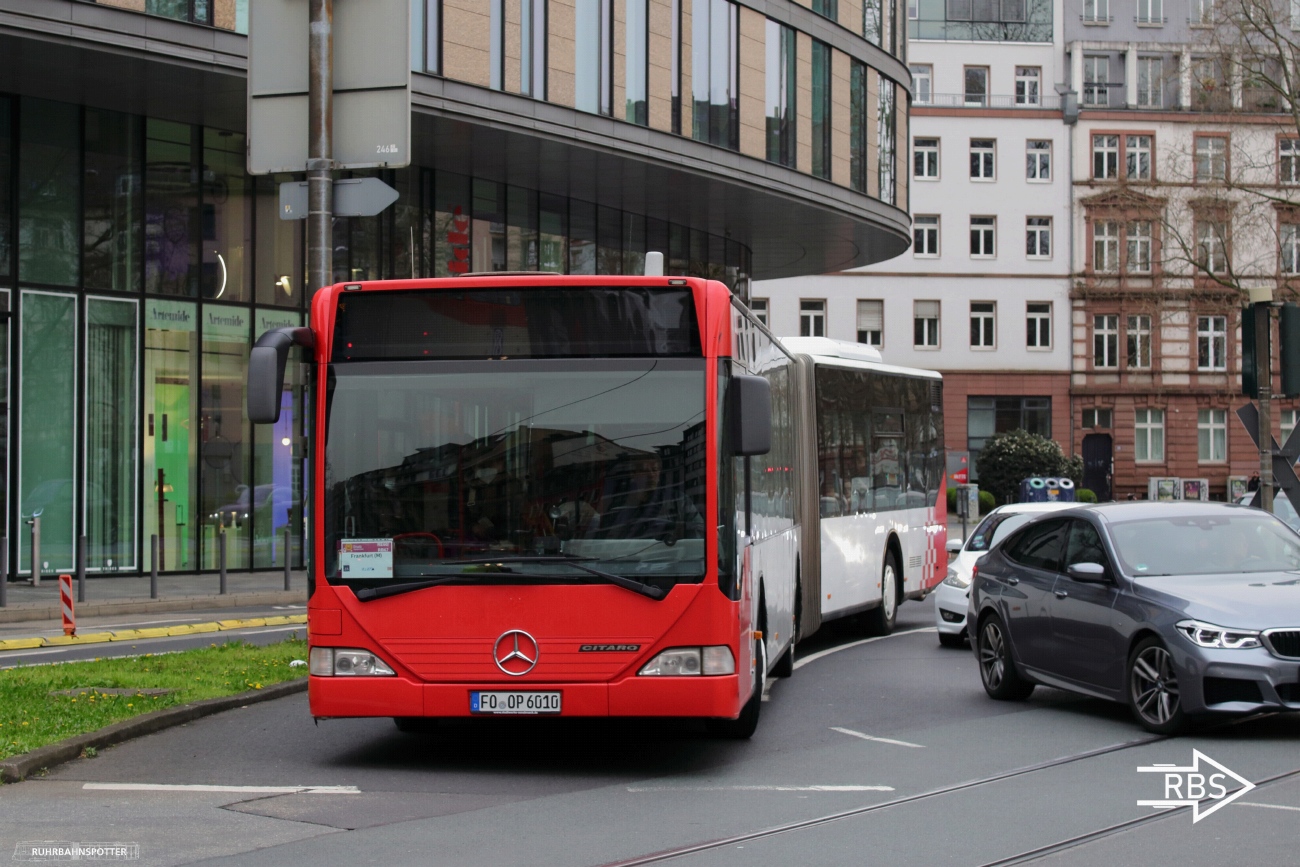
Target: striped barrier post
x=69 y=613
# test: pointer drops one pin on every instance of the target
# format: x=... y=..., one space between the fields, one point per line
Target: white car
x=950 y=597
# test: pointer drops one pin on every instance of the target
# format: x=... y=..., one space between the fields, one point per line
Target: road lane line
x=1268 y=806
x=800 y=663
x=248 y=790
x=760 y=788
x=881 y=740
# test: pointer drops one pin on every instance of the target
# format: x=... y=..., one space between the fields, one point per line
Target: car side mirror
x=266 y=365
x=1088 y=573
x=954 y=546
x=751 y=415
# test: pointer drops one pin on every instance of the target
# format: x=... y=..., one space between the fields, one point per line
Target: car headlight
x=691 y=662
x=346 y=662
x=1209 y=635
x=956 y=579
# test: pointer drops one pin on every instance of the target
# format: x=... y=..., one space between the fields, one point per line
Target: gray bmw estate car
x=1181 y=610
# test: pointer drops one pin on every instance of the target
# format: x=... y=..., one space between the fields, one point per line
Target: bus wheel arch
x=880 y=620
x=784 y=665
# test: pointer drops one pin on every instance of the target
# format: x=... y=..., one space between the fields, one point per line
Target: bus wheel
x=880 y=620
x=743 y=727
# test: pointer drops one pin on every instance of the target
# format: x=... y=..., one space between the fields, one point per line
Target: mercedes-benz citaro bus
x=592 y=496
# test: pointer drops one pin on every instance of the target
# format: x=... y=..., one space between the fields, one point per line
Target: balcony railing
x=964 y=100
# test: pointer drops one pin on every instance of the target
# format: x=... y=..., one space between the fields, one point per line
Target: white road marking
x=245 y=790
x=800 y=663
x=760 y=788
x=872 y=738
x=1268 y=806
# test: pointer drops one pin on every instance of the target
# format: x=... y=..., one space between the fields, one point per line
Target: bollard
x=288 y=556
x=153 y=567
x=35 y=523
x=65 y=600
x=81 y=568
x=4 y=571
x=221 y=558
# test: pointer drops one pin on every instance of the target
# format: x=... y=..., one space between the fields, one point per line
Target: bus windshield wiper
x=370 y=593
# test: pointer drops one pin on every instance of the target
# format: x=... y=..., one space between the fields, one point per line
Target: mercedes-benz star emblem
x=515 y=652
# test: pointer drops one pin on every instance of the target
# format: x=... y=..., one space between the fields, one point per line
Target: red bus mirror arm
x=266 y=365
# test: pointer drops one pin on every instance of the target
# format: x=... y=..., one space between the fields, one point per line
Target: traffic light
x=1288 y=339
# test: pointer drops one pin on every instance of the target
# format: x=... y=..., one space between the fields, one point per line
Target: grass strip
x=31 y=716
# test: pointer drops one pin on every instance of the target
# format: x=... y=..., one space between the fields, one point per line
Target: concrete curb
x=18 y=768
x=21 y=611
x=156 y=632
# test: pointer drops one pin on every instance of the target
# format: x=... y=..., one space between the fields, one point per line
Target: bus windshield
x=433 y=468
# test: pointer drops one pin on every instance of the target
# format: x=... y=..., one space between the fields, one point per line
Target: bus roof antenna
x=654 y=264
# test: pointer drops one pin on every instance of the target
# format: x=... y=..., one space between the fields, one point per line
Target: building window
x=1211 y=343
x=637 y=32
x=1149 y=439
x=1038 y=324
x=532 y=48
x=497 y=43
x=1105 y=246
x=821 y=109
x=986 y=416
x=1137 y=157
x=1105 y=157
x=1211 y=246
x=1212 y=436
x=675 y=70
x=1151 y=79
x=922 y=83
x=925 y=324
x=1105 y=341
x=872 y=21
x=1138 y=342
x=925 y=159
x=982 y=317
x=781 y=88
x=982 y=162
x=982 y=237
x=594 y=56
x=858 y=123
x=1211 y=158
x=914 y=10
x=1097 y=418
x=1288 y=160
x=925 y=236
x=812 y=318
x=715 y=72
x=1202 y=12
x=827 y=8
x=885 y=139
x=871 y=322
x=1038 y=160
x=759 y=307
x=977 y=85
x=1028 y=81
x=1038 y=237
x=1095 y=12
x=1139 y=247
x=1289 y=416
x=1290 y=237
x=1096 y=81
x=1150 y=12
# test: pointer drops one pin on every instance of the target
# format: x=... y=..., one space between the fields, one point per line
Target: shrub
x=952 y=500
x=1083 y=495
x=1010 y=457
x=987 y=503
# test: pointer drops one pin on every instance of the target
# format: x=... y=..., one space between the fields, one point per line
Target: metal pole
x=81 y=568
x=320 y=152
x=1264 y=357
x=4 y=571
x=221 y=558
x=288 y=556
x=35 y=522
x=153 y=566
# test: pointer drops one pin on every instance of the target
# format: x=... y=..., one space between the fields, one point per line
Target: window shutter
x=871 y=316
x=925 y=309
x=959 y=10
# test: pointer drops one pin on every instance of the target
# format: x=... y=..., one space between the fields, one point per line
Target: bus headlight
x=346 y=662
x=691 y=662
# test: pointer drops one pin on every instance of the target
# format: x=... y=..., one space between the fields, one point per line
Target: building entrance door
x=1097 y=465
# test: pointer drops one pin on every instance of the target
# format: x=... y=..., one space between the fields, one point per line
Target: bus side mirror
x=751 y=415
x=266 y=365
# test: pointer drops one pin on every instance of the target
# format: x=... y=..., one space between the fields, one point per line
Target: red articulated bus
x=578 y=496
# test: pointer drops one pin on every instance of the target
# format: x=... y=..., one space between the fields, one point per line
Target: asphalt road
x=880 y=752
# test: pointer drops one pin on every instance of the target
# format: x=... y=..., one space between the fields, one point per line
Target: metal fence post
x=35 y=523
x=4 y=571
x=153 y=566
x=221 y=555
x=288 y=556
x=81 y=568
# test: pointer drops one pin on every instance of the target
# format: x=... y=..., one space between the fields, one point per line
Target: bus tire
x=881 y=619
x=743 y=727
x=412 y=725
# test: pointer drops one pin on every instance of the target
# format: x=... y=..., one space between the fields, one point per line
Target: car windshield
x=1232 y=541
x=995 y=528
x=431 y=465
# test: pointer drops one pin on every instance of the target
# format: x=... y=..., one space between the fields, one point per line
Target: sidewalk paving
x=129 y=594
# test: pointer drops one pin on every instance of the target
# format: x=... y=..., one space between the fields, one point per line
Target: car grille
x=1223 y=689
x=1283 y=642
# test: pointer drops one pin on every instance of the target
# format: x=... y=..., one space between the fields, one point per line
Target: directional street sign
x=1284 y=457
x=354 y=197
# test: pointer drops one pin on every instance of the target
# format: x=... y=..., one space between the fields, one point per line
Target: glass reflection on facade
x=171 y=484
x=227 y=498
x=110 y=432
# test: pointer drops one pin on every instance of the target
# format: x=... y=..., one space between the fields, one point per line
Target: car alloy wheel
x=1153 y=688
x=997 y=671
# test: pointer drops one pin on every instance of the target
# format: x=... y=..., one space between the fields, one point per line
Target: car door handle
x=1061 y=594
x=1013 y=580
